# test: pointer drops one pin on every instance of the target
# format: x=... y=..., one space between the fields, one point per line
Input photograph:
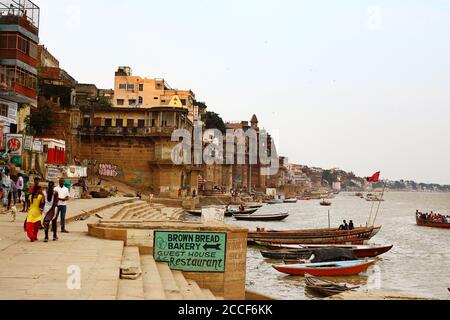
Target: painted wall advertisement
x=14 y=143
x=191 y=251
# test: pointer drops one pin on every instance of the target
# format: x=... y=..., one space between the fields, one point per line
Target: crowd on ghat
x=433 y=217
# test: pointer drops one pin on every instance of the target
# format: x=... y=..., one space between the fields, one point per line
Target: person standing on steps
x=63 y=194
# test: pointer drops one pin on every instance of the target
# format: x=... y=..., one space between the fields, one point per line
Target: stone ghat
x=135 y=224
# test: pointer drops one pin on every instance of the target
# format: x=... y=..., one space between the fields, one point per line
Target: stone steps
x=170 y=285
x=153 y=285
x=130 y=289
x=126 y=208
x=157 y=282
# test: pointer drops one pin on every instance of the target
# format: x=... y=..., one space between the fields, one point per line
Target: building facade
x=19 y=38
x=137 y=92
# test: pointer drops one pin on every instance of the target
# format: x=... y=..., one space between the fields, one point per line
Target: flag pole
x=379 y=203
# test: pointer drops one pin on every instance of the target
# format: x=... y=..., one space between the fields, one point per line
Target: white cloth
x=19 y=184
x=48 y=204
x=63 y=193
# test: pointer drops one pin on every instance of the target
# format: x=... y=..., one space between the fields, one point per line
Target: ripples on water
x=419 y=263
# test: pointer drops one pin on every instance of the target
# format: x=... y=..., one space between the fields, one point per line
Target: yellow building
x=137 y=92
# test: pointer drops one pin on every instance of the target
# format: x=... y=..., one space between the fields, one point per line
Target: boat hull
x=423 y=223
x=248 y=217
x=345 y=270
x=305 y=251
x=320 y=236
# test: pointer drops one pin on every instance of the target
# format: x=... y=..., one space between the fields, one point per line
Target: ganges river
x=419 y=263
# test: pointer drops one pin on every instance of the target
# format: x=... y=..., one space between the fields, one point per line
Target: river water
x=419 y=263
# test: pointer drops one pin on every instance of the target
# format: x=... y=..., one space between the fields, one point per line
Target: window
x=132 y=102
x=141 y=100
x=141 y=87
x=86 y=122
x=123 y=86
x=158 y=86
x=183 y=102
x=4 y=110
x=130 y=123
x=97 y=122
x=108 y=122
x=155 y=98
x=163 y=101
x=131 y=87
x=119 y=123
x=120 y=102
x=153 y=123
x=141 y=123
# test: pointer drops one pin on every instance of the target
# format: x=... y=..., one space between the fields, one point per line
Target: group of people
x=347 y=226
x=433 y=217
x=15 y=190
x=45 y=207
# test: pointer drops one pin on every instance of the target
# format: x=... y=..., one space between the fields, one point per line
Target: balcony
x=127 y=131
x=23 y=13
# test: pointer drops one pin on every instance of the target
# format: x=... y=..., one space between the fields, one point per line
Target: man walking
x=63 y=194
x=19 y=187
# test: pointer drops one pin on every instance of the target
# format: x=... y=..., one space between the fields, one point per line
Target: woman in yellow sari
x=34 y=217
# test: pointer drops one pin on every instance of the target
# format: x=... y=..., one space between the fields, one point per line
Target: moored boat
x=253 y=205
x=231 y=212
x=275 y=201
x=338 y=268
x=293 y=200
x=325 y=203
x=314 y=236
x=261 y=217
x=326 y=288
x=300 y=251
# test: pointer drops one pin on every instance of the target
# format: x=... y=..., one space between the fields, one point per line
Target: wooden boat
x=325 y=203
x=313 y=236
x=326 y=288
x=293 y=200
x=275 y=201
x=232 y=212
x=431 y=224
x=253 y=205
x=339 y=268
x=286 y=254
x=197 y=213
x=261 y=217
x=300 y=251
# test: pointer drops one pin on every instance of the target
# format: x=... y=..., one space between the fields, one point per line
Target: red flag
x=375 y=178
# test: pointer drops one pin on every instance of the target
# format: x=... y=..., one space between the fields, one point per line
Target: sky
x=358 y=85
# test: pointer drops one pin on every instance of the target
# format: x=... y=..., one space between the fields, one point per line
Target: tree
x=38 y=121
x=104 y=102
x=213 y=121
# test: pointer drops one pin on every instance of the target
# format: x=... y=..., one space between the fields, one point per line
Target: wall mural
x=109 y=170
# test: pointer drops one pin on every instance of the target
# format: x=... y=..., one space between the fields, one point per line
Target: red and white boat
x=340 y=268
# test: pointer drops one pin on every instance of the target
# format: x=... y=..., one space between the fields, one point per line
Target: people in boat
x=344 y=226
x=351 y=226
x=241 y=208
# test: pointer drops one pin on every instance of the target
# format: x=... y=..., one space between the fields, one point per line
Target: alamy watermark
x=74 y=279
x=234 y=147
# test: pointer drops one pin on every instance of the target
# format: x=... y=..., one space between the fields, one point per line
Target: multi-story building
x=137 y=92
x=19 y=38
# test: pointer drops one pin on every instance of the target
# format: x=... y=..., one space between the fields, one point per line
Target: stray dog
x=13 y=214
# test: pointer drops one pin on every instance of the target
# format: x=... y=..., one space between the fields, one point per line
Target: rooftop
x=23 y=12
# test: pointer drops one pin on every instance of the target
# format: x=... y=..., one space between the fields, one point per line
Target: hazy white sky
x=361 y=85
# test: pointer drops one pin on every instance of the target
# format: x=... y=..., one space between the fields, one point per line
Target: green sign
x=191 y=251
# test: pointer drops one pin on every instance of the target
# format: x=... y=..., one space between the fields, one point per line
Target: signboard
x=75 y=172
x=38 y=146
x=28 y=143
x=14 y=143
x=54 y=172
x=191 y=251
